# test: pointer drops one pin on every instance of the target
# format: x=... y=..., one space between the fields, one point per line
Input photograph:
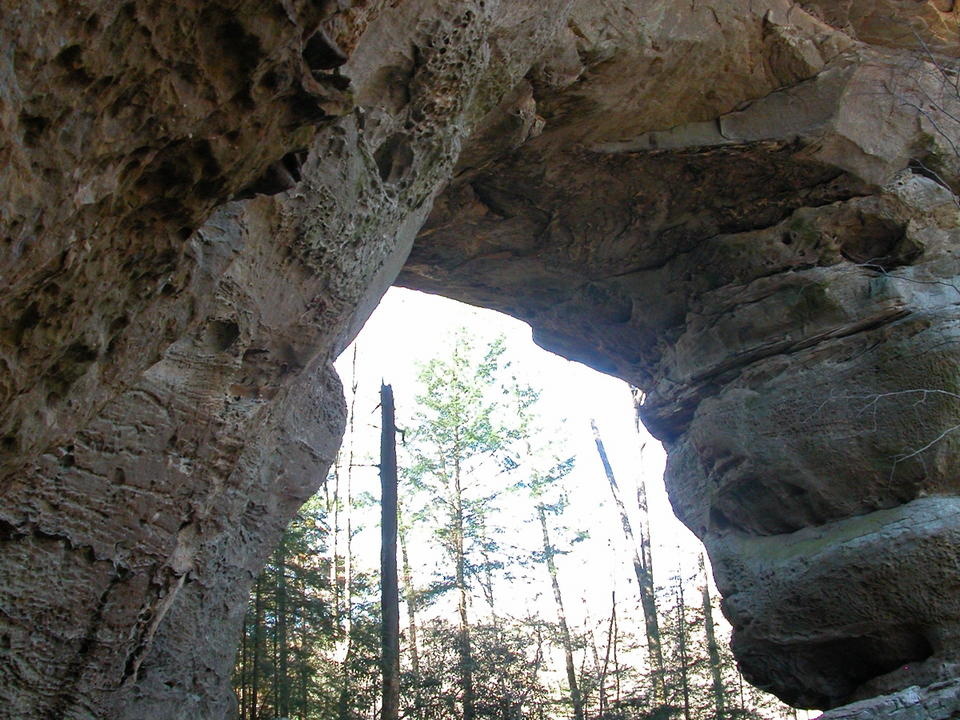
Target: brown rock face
x=743 y=209
x=766 y=267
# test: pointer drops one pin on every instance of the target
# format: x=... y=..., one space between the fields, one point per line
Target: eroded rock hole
x=237 y=50
x=880 y=243
x=180 y=168
x=304 y=108
x=394 y=158
x=322 y=53
x=70 y=367
x=34 y=126
x=279 y=177
x=28 y=320
x=221 y=334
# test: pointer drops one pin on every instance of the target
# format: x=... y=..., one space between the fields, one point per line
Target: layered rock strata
x=781 y=282
x=744 y=209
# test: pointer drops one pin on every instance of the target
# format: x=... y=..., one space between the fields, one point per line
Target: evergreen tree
x=474 y=448
x=459 y=433
x=287 y=620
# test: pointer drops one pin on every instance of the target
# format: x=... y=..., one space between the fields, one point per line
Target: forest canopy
x=494 y=565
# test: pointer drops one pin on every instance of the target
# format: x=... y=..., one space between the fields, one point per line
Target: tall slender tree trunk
x=548 y=553
x=389 y=590
x=276 y=669
x=616 y=658
x=333 y=510
x=244 y=669
x=304 y=683
x=611 y=646
x=637 y=396
x=257 y=641
x=487 y=584
x=594 y=654
x=283 y=649
x=297 y=640
x=346 y=646
x=642 y=566
x=740 y=688
x=346 y=649
x=410 y=597
x=646 y=552
x=682 y=650
x=465 y=650
x=602 y=685
x=713 y=651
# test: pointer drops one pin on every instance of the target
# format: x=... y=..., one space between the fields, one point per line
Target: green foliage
x=509 y=660
x=289 y=615
x=471 y=418
x=476 y=452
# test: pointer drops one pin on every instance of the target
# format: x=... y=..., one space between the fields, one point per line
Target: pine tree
x=287 y=614
x=458 y=429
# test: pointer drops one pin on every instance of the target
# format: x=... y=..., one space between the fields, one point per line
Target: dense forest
x=494 y=576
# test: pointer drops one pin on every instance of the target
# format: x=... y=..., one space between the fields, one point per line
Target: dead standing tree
x=642 y=565
x=389 y=587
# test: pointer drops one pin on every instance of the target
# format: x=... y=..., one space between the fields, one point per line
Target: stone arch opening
x=624 y=178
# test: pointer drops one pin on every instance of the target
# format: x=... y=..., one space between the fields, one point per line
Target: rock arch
x=740 y=208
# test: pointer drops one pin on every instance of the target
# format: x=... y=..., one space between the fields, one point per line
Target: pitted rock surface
x=745 y=209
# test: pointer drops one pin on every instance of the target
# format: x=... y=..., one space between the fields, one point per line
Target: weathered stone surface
x=124 y=126
x=895 y=23
x=784 y=289
x=940 y=701
x=145 y=528
x=737 y=207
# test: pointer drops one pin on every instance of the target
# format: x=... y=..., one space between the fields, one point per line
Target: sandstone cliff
x=743 y=208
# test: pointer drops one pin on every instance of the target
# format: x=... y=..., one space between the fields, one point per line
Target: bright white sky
x=410 y=327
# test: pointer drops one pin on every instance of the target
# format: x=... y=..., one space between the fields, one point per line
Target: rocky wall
x=774 y=263
x=744 y=209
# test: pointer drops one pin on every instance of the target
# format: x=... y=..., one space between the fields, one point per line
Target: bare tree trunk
x=333 y=509
x=616 y=657
x=283 y=657
x=410 y=597
x=304 y=683
x=611 y=640
x=346 y=646
x=389 y=590
x=276 y=668
x=244 y=669
x=740 y=687
x=642 y=566
x=637 y=395
x=257 y=635
x=682 y=647
x=548 y=552
x=594 y=654
x=713 y=652
x=465 y=650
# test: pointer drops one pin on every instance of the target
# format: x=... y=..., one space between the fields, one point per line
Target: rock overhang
x=716 y=204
